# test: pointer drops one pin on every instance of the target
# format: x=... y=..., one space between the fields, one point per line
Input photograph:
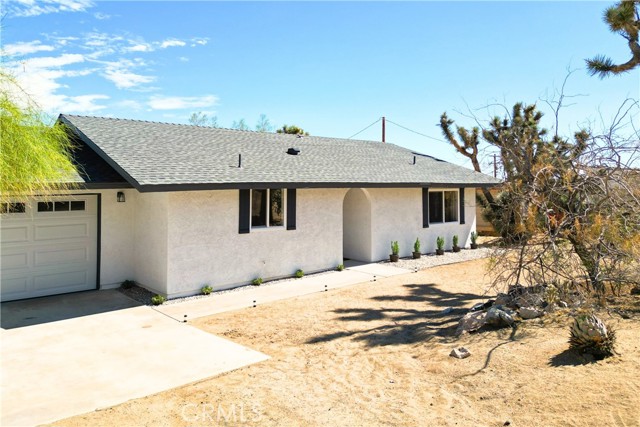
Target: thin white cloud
x=27 y=8
x=183 y=59
x=26 y=48
x=172 y=43
x=199 y=41
x=40 y=85
x=181 y=102
x=101 y=16
x=82 y=103
x=124 y=79
x=52 y=61
x=140 y=47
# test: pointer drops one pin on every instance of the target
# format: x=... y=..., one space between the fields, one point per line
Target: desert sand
x=378 y=354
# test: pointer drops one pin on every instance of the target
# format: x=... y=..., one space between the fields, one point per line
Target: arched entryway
x=356 y=225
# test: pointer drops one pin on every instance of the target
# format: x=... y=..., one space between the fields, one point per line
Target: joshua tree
x=622 y=19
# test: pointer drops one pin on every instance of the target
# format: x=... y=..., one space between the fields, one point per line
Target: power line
x=357 y=133
x=416 y=132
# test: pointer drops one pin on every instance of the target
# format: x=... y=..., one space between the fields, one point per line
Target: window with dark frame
x=62 y=206
x=443 y=206
x=267 y=208
x=10 y=208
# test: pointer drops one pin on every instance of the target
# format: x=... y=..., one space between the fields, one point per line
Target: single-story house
x=174 y=207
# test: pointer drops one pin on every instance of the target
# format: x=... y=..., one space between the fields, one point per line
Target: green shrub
x=456 y=240
x=257 y=281
x=157 y=299
x=299 y=274
x=395 y=248
x=206 y=290
x=416 y=245
x=440 y=243
x=340 y=267
x=474 y=237
x=128 y=284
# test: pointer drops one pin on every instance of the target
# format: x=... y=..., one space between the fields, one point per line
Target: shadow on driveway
x=17 y=314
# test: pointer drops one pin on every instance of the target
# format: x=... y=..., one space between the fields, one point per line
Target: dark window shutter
x=291 y=209
x=244 y=211
x=425 y=207
x=461 y=206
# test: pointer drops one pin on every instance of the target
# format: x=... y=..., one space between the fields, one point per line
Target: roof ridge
x=159 y=122
x=228 y=129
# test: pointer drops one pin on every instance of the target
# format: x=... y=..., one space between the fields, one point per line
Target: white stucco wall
x=174 y=243
x=397 y=215
x=117 y=238
x=205 y=246
x=150 y=240
x=357 y=225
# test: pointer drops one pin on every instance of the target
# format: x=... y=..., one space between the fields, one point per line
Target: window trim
x=9 y=208
x=444 y=206
x=268 y=210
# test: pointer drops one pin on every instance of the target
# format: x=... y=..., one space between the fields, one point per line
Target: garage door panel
x=47 y=253
x=57 y=232
x=15 y=260
x=14 y=234
x=14 y=286
x=64 y=280
x=61 y=256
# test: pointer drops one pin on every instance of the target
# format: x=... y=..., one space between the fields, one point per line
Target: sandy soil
x=378 y=354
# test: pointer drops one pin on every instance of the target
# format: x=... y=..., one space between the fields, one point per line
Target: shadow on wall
x=380 y=326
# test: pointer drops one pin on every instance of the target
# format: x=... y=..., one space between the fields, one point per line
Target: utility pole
x=383 y=129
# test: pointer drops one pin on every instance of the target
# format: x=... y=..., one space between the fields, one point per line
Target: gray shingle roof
x=160 y=156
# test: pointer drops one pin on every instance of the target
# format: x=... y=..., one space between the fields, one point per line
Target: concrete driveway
x=71 y=354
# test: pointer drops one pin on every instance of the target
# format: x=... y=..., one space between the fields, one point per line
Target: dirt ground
x=378 y=354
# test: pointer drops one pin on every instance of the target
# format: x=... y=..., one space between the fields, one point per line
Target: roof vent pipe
x=239 y=160
x=293 y=151
x=414 y=160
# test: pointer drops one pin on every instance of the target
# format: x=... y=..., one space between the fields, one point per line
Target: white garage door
x=48 y=246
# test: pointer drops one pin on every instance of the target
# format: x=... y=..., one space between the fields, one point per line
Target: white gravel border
x=424 y=262
x=433 y=260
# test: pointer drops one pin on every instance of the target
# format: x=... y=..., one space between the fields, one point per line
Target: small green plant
x=456 y=240
x=416 y=245
x=340 y=267
x=395 y=247
x=257 y=281
x=474 y=237
x=440 y=243
x=128 y=284
x=157 y=299
x=206 y=290
x=299 y=274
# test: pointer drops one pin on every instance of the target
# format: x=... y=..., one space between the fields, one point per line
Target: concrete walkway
x=57 y=369
x=255 y=295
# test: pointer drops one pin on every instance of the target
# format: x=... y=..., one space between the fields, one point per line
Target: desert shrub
x=206 y=290
x=157 y=299
x=128 y=284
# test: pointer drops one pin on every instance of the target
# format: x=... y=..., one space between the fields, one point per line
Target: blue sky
x=330 y=67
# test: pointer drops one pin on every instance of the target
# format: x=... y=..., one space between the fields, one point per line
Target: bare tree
x=201 y=119
x=582 y=218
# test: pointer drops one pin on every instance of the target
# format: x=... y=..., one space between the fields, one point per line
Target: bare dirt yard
x=378 y=354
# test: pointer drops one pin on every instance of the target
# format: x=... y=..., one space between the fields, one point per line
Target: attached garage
x=49 y=246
